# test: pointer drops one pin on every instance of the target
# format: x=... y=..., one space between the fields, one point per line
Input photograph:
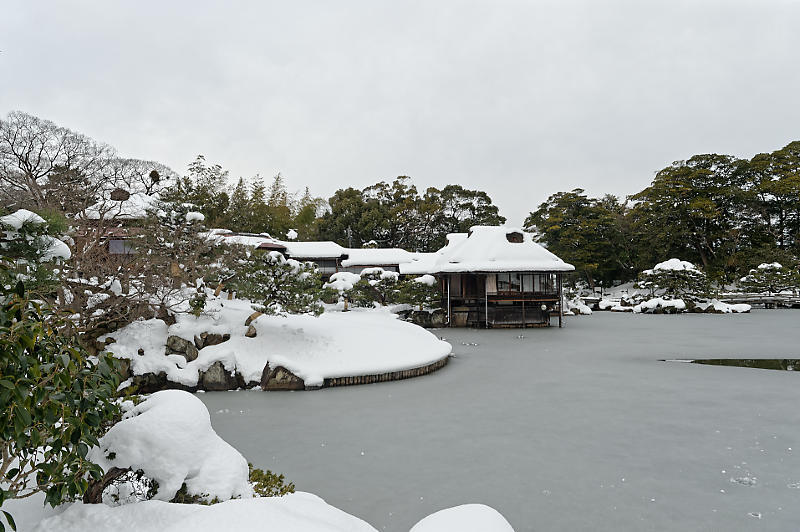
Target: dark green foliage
x=376 y=286
x=418 y=294
x=276 y=285
x=687 y=284
x=54 y=403
x=397 y=215
x=268 y=484
x=31 y=247
x=770 y=278
x=587 y=233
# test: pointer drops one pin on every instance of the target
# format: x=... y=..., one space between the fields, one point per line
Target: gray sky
x=521 y=99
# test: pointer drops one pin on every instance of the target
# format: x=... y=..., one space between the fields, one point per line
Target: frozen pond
x=574 y=429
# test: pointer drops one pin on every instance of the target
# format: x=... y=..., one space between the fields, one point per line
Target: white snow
x=725 y=308
x=296 y=512
x=20 y=217
x=136 y=207
x=380 y=273
x=291 y=234
x=56 y=250
x=658 y=302
x=770 y=266
x=335 y=344
x=343 y=281
x=464 y=518
x=427 y=279
x=376 y=257
x=194 y=216
x=672 y=265
x=169 y=437
x=313 y=250
x=487 y=249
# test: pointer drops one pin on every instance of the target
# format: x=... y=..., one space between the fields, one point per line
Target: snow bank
x=296 y=512
x=465 y=518
x=677 y=305
x=169 y=437
x=335 y=344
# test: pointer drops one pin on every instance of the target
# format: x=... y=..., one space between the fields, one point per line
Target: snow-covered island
x=223 y=349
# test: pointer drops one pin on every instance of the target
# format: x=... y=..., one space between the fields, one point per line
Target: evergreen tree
x=276 y=285
x=770 y=278
x=675 y=279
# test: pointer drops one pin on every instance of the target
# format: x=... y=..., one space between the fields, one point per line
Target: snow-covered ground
x=581 y=428
x=335 y=344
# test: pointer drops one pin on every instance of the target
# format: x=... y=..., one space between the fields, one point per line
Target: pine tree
x=770 y=278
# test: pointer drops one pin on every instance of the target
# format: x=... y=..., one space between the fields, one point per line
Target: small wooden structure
x=497 y=277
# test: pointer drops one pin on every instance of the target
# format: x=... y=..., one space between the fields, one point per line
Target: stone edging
x=385 y=377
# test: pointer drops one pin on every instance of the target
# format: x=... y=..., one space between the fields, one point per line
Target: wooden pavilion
x=496 y=277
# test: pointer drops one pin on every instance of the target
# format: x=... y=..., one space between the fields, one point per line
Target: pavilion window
x=527 y=283
x=503 y=282
x=515 y=282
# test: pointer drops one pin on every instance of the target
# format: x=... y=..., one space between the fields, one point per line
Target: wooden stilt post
x=486 y=301
x=449 y=312
x=560 y=300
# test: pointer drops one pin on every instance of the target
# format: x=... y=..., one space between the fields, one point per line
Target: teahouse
x=496 y=277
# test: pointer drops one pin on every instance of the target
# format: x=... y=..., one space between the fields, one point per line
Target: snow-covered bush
x=31 y=241
x=421 y=292
x=376 y=286
x=342 y=284
x=675 y=279
x=168 y=436
x=770 y=278
x=277 y=285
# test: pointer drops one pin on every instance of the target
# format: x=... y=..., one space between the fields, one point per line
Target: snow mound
x=335 y=344
x=194 y=216
x=673 y=265
x=343 y=281
x=465 y=518
x=296 y=512
x=651 y=305
x=169 y=437
x=724 y=308
x=770 y=266
x=427 y=279
x=577 y=306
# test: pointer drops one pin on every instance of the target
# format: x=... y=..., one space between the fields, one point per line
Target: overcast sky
x=521 y=99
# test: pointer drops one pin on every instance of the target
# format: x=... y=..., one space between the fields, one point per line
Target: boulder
x=150 y=382
x=180 y=346
x=429 y=319
x=265 y=377
x=251 y=331
x=281 y=379
x=216 y=379
x=124 y=368
x=214 y=338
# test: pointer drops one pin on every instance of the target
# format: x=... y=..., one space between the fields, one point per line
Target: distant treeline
x=723 y=213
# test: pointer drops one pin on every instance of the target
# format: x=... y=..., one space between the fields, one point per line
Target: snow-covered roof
x=313 y=250
x=376 y=257
x=136 y=207
x=490 y=249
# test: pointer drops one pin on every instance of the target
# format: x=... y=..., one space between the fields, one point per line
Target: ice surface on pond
x=574 y=429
